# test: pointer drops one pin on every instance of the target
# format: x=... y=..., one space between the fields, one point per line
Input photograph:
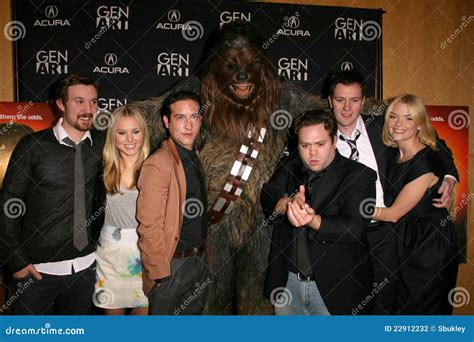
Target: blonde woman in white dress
x=118 y=284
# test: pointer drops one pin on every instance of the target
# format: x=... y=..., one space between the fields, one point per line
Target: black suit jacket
x=385 y=155
x=339 y=250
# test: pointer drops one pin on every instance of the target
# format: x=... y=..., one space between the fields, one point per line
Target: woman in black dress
x=427 y=244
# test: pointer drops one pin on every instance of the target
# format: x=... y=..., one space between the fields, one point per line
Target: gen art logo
x=228 y=17
x=356 y=29
x=52 y=62
x=112 y=17
x=293 y=69
x=109 y=104
x=172 y=64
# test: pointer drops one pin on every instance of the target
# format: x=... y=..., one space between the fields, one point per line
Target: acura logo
x=293 y=22
x=174 y=16
x=51 y=11
x=110 y=59
x=346 y=66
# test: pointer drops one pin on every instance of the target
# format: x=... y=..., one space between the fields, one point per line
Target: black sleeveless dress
x=427 y=244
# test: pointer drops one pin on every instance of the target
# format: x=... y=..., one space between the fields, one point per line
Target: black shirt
x=193 y=230
x=301 y=261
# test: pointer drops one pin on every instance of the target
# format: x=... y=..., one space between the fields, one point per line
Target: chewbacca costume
x=241 y=93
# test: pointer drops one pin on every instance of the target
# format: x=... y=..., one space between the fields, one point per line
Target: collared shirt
x=366 y=155
x=66 y=267
x=301 y=260
x=193 y=230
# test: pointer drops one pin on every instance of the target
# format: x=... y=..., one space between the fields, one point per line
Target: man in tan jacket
x=172 y=211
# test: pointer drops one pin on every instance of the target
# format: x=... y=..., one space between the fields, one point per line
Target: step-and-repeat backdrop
x=137 y=49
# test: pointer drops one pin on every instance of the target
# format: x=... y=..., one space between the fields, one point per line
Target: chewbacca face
x=239 y=75
x=241 y=85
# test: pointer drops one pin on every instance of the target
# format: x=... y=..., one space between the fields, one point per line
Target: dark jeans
x=54 y=295
x=385 y=265
x=184 y=292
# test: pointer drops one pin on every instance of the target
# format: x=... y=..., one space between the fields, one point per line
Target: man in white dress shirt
x=360 y=139
x=52 y=175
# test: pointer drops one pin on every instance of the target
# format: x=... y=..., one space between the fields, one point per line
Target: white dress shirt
x=366 y=155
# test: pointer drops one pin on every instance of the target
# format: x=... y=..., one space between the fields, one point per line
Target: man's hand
x=446 y=191
x=281 y=206
x=27 y=270
x=299 y=213
x=300 y=197
x=298 y=216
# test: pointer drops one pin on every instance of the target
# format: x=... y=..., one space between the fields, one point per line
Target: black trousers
x=185 y=291
x=382 y=238
x=54 y=295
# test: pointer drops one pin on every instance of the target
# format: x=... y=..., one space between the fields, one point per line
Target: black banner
x=139 y=48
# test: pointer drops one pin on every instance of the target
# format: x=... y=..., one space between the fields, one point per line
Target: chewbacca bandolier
x=248 y=112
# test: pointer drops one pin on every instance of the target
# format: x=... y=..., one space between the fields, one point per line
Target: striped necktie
x=353 y=145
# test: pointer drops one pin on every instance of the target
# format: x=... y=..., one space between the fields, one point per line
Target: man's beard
x=84 y=127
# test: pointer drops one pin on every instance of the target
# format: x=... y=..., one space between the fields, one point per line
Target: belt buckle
x=302 y=277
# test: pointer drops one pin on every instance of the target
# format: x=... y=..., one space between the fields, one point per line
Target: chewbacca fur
x=239 y=244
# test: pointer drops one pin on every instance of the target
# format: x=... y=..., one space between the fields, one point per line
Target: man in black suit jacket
x=360 y=138
x=319 y=259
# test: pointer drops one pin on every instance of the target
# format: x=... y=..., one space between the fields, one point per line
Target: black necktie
x=80 y=228
x=353 y=145
x=303 y=262
x=311 y=184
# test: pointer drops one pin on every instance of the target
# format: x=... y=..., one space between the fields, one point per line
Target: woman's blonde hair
x=111 y=155
x=426 y=133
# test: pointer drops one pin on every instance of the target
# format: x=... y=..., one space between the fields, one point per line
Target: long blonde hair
x=111 y=155
x=417 y=110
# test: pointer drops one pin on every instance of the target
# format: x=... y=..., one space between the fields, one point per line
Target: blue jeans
x=304 y=299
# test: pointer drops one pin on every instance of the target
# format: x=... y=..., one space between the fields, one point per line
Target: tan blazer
x=162 y=185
